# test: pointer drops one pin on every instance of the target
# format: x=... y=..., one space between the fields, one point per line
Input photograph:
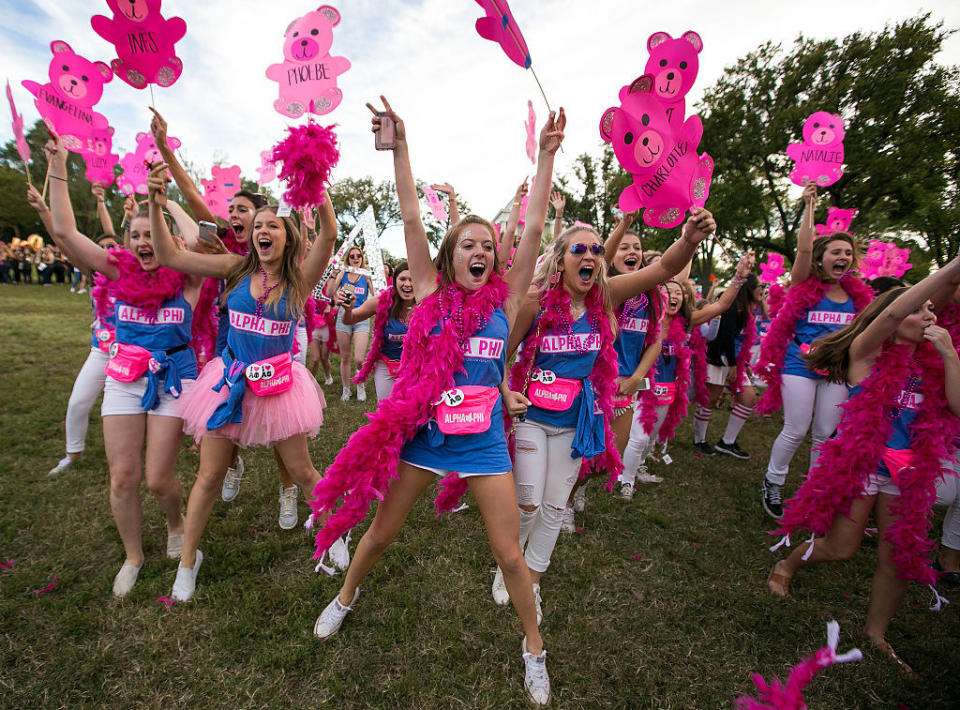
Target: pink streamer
x=48 y=588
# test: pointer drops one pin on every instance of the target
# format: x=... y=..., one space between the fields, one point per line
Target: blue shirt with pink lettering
x=251 y=338
x=824 y=318
x=666 y=368
x=393 y=334
x=634 y=324
x=485 y=359
x=361 y=288
x=907 y=408
x=164 y=333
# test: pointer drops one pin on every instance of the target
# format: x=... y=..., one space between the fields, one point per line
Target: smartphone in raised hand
x=386 y=137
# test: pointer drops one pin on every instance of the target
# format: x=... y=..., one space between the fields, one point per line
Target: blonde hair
x=444 y=259
x=549 y=268
x=363 y=256
x=290 y=278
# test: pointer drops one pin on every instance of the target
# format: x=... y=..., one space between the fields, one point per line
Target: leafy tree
x=352 y=195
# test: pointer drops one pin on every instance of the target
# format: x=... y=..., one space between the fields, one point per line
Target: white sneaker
x=231 y=482
x=61 y=466
x=501 y=596
x=538 y=603
x=124 y=581
x=362 y=392
x=626 y=491
x=174 y=546
x=288 y=507
x=645 y=477
x=186 y=582
x=73 y=289
x=330 y=619
x=339 y=553
x=82 y=291
x=535 y=678
x=580 y=499
x=345 y=395
x=328 y=380
x=568 y=523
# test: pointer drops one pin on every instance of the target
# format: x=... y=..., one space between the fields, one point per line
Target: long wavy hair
x=820 y=248
x=553 y=257
x=444 y=259
x=291 y=277
x=396 y=305
x=653 y=294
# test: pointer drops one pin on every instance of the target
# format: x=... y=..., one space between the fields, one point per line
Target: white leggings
x=382 y=380
x=640 y=444
x=804 y=399
x=948 y=493
x=86 y=388
x=545 y=474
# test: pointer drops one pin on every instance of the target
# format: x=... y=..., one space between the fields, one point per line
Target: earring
x=555 y=279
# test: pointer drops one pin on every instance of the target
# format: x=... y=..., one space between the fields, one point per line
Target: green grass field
x=684 y=626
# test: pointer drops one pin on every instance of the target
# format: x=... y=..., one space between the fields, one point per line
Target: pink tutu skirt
x=266 y=420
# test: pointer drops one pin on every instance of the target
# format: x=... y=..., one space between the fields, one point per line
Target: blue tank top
x=561 y=353
x=824 y=318
x=251 y=339
x=667 y=363
x=634 y=325
x=485 y=359
x=167 y=329
x=361 y=289
x=900 y=439
x=393 y=333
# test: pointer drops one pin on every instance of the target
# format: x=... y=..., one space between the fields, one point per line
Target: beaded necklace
x=582 y=345
x=258 y=311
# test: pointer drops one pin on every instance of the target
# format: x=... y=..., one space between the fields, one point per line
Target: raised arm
x=189 y=230
x=559 y=202
x=422 y=270
x=804 y=259
x=352 y=316
x=510 y=230
x=322 y=250
x=698 y=227
x=158 y=127
x=217 y=266
x=612 y=242
x=35 y=200
x=722 y=304
x=106 y=222
x=453 y=211
x=65 y=232
x=525 y=258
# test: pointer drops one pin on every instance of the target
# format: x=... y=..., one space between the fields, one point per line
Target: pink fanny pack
x=104 y=338
x=664 y=392
x=548 y=391
x=466 y=409
x=271 y=376
x=128 y=363
x=806 y=348
x=393 y=367
x=619 y=402
x=897 y=460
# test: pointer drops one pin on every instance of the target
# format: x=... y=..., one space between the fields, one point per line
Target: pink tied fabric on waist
x=548 y=391
x=896 y=460
x=466 y=409
x=664 y=393
x=127 y=363
x=105 y=338
x=271 y=376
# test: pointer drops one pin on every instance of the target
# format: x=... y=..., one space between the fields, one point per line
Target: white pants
x=640 y=444
x=804 y=399
x=86 y=388
x=382 y=380
x=545 y=475
x=301 y=337
x=948 y=493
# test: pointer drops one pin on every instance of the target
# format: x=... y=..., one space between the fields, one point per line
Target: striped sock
x=738 y=417
x=701 y=419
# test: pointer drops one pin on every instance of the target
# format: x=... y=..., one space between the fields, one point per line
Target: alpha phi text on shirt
x=261 y=326
x=570 y=342
x=163 y=316
x=830 y=317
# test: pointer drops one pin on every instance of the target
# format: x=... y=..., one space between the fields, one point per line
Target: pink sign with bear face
x=268 y=169
x=674 y=65
x=308 y=74
x=219 y=192
x=668 y=176
x=885 y=259
x=98 y=157
x=531 y=125
x=838 y=220
x=136 y=165
x=66 y=102
x=144 y=42
x=819 y=159
x=435 y=204
x=772 y=269
x=499 y=26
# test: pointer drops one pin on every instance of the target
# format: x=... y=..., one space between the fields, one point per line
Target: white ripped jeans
x=545 y=475
x=86 y=388
x=640 y=444
x=804 y=399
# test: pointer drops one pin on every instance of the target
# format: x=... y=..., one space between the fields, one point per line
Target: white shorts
x=880 y=484
x=444 y=473
x=124 y=398
x=718 y=374
x=301 y=338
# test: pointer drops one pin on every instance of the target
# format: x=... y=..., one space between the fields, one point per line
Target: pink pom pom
x=307 y=154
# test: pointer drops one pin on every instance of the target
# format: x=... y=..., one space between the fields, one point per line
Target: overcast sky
x=463 y=101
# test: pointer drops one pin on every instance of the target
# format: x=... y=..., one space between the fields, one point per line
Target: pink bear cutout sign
x=98 y=158
x=838 y=220
x=885 y=259
x=772 y=269
x=66 y=102
x=674 y=65
x=145 y=42
x=136 y=165
x=218 y=193
x=668 y=176
x=308 y=74
x=820 y=157
x=267 y=169
x=23 y=149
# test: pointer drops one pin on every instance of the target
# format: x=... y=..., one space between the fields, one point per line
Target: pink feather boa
x=743 y=357
x=103 y=304
x=677 y=335
x=364 y=467
x=384 y=302
x=775 y=297
x=206 y=320
x=799 y=299
x=144 y=289
x=310 y=317
x=306 y=155
x=847 y=459
x=233 y=246
x=698 y=359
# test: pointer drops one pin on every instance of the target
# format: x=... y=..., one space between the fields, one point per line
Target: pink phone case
x=386 y=140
